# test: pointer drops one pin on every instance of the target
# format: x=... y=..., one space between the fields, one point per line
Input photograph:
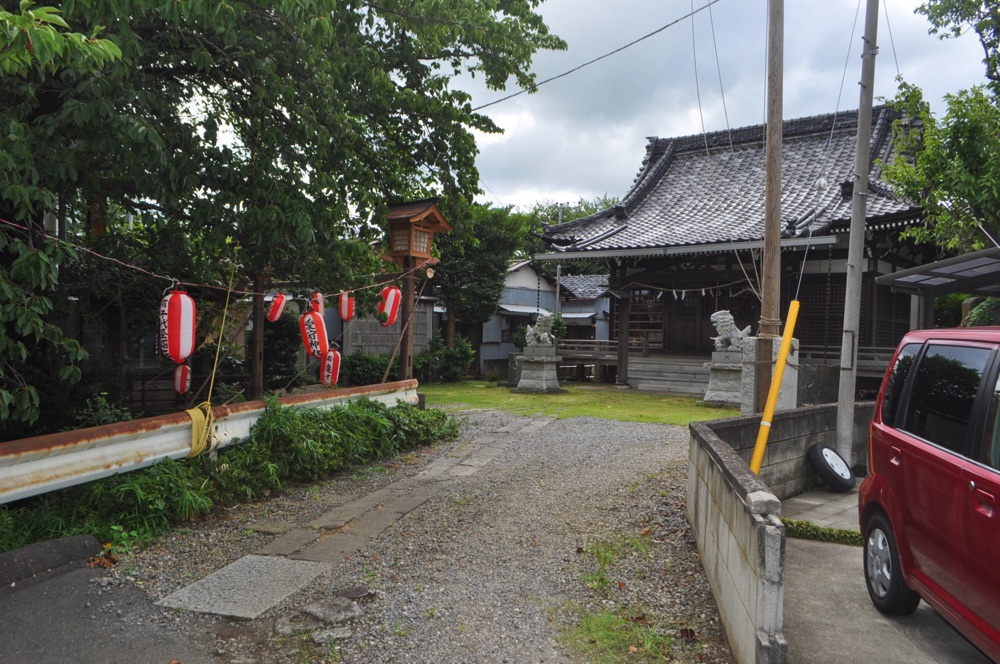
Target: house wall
x=521 y=291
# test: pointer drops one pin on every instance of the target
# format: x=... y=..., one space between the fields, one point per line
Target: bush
x=367 y=368
x=984 y=313
x=286 y=446
x=444 y=364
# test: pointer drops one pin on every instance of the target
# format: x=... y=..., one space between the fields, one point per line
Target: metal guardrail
x=33 y=466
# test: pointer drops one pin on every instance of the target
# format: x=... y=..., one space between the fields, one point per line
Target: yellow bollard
x=772 y=395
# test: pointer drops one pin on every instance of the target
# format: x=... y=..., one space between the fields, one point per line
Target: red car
x=929 y=503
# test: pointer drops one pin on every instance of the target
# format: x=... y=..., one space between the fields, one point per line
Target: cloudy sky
x=584 y=135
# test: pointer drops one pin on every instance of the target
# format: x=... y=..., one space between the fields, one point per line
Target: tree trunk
x=449 y=330
x=257 y=348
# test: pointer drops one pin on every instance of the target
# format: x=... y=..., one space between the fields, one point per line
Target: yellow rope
x=202 y=418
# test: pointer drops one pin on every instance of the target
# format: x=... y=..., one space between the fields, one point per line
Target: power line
x=602 y=57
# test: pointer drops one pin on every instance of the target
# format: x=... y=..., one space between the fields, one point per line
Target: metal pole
x=855 y=249
x=771 y=263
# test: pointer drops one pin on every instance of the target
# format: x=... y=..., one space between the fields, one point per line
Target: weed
x=399 y=630
x=811 y=531
x=610 y=637
x=430 y=613
x=459 y=499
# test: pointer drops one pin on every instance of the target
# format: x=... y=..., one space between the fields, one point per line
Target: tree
x=951 y=166
x=550 y=213
x=282 y=127
x=34 y=44
x=475 y=257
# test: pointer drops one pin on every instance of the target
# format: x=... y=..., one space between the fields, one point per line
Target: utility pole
x=771 y=282
x=855 y=247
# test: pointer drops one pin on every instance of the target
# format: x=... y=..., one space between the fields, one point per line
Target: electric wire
x=697 y=85
x=892 y=43
x=597 y=59
x=722 y=88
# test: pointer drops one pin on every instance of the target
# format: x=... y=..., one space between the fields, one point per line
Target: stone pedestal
x=788 y=397
x=538 y=370
x=725 y=379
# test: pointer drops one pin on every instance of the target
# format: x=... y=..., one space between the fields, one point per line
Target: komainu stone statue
x=730 y=338
x=540 y=334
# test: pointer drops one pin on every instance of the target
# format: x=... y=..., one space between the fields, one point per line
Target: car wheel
x=883 y=575
x=831 y=468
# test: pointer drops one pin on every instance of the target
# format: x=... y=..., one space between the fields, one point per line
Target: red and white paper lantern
x=314 y=334
x=346 y=306
x=182 y=378
x=319 y=303
x=389 y=304
x=329 y=369
x=177 y=321
x=277 y=307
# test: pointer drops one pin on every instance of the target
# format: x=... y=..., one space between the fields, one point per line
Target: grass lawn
x=577 y=401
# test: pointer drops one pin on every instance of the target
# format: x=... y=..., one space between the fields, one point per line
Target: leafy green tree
x=475 y=256
x=35 y=45
x=281 y=127
x=550 y=213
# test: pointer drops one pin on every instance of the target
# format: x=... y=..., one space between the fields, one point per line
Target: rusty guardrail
x=33 y=466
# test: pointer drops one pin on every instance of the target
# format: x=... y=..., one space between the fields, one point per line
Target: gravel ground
x=573 y=518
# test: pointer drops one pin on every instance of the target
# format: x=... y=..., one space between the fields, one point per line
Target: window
x=944 y=390
x=894 y=385
x=990 y=452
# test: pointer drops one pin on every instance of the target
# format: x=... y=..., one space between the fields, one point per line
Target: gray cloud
x=584 y=135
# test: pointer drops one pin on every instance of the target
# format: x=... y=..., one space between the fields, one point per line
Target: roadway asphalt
x=53 y=608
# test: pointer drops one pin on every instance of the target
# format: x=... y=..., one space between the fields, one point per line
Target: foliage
x=810 y=531
x=578 y=401
x=952 y=169
x=952 y=18
x=99 y=411
x=609 y=636
x=286 y=446
x=280 y=127
x=948 y=309
x=475 y=256
x=368 y=368
x=986 y=312
x=283 y=344
x=558 y=327
x=519 y=336
x=550 y=213
x=441 y=363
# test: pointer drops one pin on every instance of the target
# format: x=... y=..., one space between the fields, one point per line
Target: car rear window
x=944 y=390
x=895 y=382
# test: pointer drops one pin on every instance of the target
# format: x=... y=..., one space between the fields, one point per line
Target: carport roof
x=977 y=273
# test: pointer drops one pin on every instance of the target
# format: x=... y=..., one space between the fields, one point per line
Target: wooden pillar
x=407 y=307
x=624 y=305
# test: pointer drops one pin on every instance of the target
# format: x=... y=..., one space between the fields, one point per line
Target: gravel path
x=570 y=518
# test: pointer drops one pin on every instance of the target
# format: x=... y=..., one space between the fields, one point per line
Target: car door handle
x=897 y=456
x=985 y=502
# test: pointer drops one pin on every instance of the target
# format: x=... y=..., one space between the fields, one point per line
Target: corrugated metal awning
x=523 y=309
x=977 y=273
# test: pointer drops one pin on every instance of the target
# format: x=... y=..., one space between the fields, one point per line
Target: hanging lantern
x=182 y=378
x=277 y=307
x=319 y=303
x=177 y=320
x=314 y=334
x=346 y=306
x=329 y=369
x=389 y=304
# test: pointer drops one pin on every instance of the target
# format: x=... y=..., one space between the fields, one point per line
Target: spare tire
x=831 y=468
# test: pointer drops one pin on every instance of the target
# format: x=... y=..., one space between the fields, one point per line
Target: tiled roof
x=690 y=194
x=585 y=286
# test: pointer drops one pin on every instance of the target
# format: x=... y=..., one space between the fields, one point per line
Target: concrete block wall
x=742 y=545
x=785 y=468
x=733 y=514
